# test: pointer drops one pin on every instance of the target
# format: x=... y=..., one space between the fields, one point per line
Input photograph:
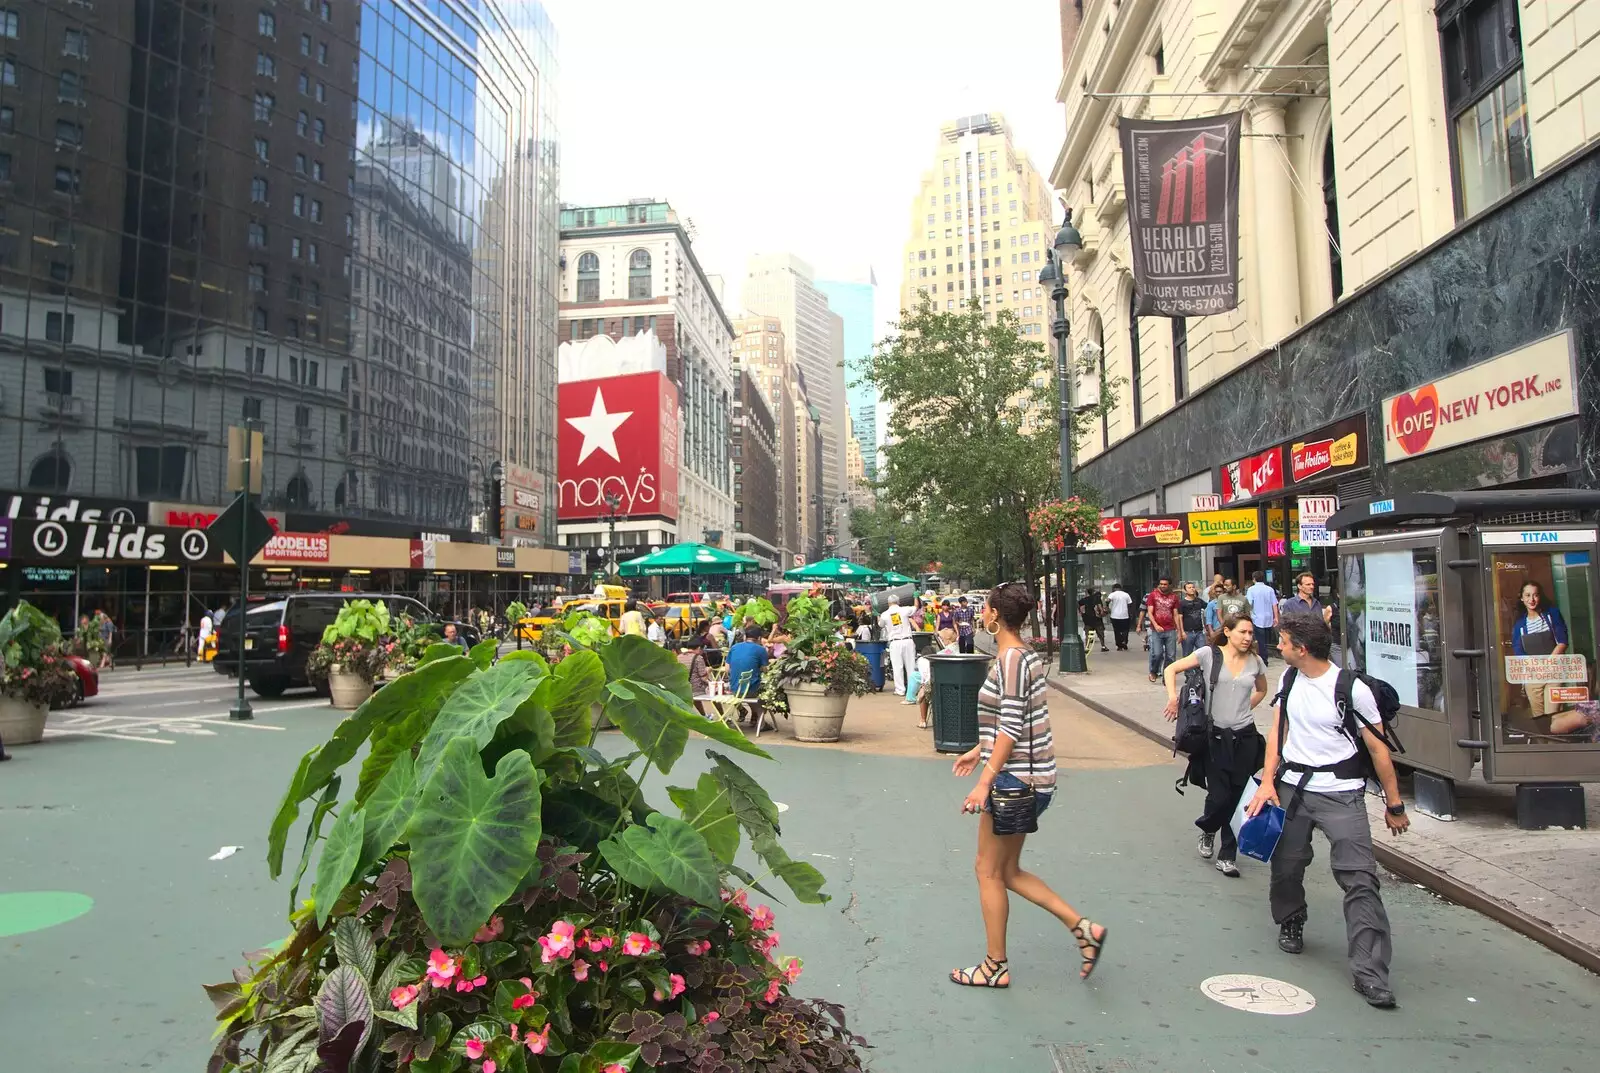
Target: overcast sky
x=799 y=127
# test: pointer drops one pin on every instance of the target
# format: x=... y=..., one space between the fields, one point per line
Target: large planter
x=815 y=714
x=348 y=690
x=21 y=723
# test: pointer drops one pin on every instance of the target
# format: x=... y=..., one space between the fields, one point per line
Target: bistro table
x=731 y=708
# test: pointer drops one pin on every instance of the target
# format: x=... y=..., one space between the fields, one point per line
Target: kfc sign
x=618 y=439
x=1113 y=535
x=1253 y=476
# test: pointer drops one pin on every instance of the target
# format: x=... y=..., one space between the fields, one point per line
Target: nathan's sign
x=79 y=543
x=1531 y=386
x=1224 y=526
x=1181 y=180
x=617 y=449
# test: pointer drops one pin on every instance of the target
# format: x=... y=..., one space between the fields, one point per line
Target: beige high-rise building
x=759 y=350
x=980 y=225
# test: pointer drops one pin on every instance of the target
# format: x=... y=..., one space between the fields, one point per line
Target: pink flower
x=595 y=943
x=678 y=986
x=580 y=970
x=559 y=943
x=604 y=967
x=403 y=996
x=761 y=918
x=468 y=986
x=536 y=1042
x=696 y=947
x=441 y=968
x=490 y=931
x=489 y=1067
x=736 y=897
x=712 y=1016
x=614 y=1067
x=474 y=1048
x=791 y=969
x=637 y=944
x=772 y=991
x=659 y=995
x=770 y=942
x=524 y=1002
x=513 y=1031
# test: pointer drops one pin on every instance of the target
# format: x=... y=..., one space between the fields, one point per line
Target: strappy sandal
x=1089 y=946
x=993 y=971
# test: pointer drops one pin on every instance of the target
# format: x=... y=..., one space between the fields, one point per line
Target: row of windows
x=639 y=277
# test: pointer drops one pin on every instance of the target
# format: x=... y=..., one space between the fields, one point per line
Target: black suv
x=281 y=633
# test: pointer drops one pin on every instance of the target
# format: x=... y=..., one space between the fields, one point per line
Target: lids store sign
x=73 y=543
x=1530 y=386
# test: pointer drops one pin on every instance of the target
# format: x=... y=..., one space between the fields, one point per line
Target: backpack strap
x=1344 y=702
x=1216 y=672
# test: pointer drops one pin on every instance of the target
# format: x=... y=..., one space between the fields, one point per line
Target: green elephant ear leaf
x=678 y=856
x=338 y=861
x=649 y=718
x=440 y=650
x=477 y=707
x=330 y=797
x=691 y=720
x=482 y=653
x=638 y=660
x=628 y=864
x=472 y=838
x=706 y=809
x=573 y=686
x=804 y=880
x=750 y=803
x=417 y=698
x=388 y=810
x=579 y=818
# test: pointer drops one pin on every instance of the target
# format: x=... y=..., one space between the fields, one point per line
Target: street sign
x=242 y=523
x=799 y=560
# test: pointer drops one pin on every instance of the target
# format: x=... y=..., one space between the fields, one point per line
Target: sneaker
x=1228 y=868
x=1292 y=935
x=1207 y=845
x=1377 y=997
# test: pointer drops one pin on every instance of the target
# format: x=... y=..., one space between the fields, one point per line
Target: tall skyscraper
x=854 y=300
x=781 y=285
x=980 y=224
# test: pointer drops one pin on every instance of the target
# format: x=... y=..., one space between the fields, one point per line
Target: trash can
x=957 y=677
x=873 y=652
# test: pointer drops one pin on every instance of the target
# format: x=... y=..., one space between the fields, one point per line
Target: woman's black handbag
x=1014 y=810
x=1193 y=732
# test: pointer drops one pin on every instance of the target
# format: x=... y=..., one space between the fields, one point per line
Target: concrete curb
x=1441 y=883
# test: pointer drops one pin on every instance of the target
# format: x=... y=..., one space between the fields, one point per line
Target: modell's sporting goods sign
x=1181 y=181
x=618 y=443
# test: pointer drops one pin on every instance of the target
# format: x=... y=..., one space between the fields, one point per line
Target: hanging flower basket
x=1065 y=523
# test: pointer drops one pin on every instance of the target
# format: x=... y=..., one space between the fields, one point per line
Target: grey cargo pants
x=1342 y=818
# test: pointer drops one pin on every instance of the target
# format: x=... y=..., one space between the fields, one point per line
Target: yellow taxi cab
x=680 y=620
x=607 y=601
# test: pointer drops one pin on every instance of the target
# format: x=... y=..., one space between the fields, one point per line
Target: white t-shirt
x=895 y=623
x=863 y=632
x=1315 y=734
x=1119 y=602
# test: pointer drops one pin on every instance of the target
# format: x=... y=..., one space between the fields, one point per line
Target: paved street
x=131 y=824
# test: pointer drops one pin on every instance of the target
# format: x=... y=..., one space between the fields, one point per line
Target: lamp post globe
x=1068 y=243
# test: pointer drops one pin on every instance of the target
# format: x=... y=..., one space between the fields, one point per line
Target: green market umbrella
x=687 y=559
x=840 y=570
x=891 y=578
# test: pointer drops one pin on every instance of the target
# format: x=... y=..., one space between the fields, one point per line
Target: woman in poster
x=1539 y=630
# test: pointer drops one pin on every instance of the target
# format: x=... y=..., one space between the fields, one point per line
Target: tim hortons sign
x=618 y=444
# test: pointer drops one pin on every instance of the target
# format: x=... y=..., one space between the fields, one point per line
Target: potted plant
x=411 y=641
x=817 y=674
x=353 y=652
x=1065 y=523
x=496 y=896
x=36 y=674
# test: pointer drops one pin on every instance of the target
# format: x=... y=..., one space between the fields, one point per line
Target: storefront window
x=1544 y=633
x=1392 y=624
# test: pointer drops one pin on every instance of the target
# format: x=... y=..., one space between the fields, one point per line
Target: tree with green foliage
x=973 y=437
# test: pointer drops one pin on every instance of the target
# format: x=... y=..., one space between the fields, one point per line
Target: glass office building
x=333 y=220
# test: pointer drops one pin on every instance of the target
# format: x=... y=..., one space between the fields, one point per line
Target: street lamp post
x=1067 y=244
x=613 y=501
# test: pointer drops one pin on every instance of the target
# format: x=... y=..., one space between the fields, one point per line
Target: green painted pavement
x=34 y=910
x=131 y=826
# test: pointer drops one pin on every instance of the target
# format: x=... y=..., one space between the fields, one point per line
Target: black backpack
x=1359 y=765
x=1193 y=732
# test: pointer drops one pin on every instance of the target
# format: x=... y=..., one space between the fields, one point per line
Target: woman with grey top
x=1235 y=748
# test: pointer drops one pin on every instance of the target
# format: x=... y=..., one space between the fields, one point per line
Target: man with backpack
x=1330 y=733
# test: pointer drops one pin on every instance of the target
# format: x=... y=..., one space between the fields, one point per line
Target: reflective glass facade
x=336 y=219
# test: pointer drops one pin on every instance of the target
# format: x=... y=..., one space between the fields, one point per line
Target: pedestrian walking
x=966 y=628
x=107 y=629
x=1160 y=609
x=1191 y=619
x=691 y=653
x=1304 y=601
x=1213 y=615
x=1119 y=607
x=1232 y=601
x=1234 y=747
x=895 y=625
x=1263 y=613
x=632 y=620
x=1015 y=757
x=1092 y=613
x=1314 y=761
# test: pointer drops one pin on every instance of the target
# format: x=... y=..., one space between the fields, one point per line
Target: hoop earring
x=992 y=630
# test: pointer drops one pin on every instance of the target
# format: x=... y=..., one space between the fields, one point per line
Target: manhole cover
x=1082 y=1058
x=1258 y=994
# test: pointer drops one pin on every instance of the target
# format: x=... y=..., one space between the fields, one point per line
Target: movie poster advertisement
x=1393 y=629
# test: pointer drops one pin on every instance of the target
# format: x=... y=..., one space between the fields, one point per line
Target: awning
x=1474 y=504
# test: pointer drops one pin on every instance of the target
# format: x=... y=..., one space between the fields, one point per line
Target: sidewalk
x=1544 y=884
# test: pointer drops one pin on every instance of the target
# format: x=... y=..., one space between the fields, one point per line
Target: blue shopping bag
x=913 y=683
x=1258 y=835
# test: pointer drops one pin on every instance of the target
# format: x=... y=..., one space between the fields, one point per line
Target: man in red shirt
x=1161 y=610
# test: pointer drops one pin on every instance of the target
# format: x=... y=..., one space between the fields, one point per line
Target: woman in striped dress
x=1014 y=749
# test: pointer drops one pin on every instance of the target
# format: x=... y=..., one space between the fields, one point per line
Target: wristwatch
x=1397 y=810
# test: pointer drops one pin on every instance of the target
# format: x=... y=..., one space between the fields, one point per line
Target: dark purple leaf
x=342 y=1000
x=651 y=1053
x=338 y=1052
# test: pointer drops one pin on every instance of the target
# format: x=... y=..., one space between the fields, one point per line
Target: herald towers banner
x=618 y=436
x=1181 y=181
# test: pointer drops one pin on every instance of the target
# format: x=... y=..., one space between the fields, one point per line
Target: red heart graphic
x=1412 y=418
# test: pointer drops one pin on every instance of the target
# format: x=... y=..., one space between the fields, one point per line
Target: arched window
x=1097 y=332
x=1330 y=202
x=588 y=278
x=51 y=472
x=1135 y=359
x=639 y=274
x=298 y=491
